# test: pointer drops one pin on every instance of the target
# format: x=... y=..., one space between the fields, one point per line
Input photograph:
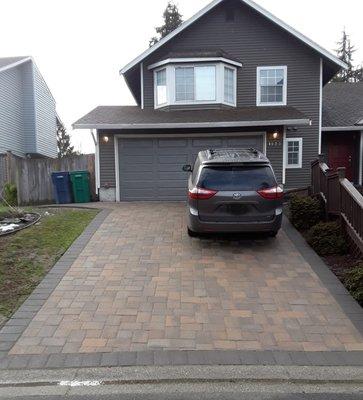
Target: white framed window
x=161 y=87
x=195 y=83
x=230 y=85
x=293 y=152
x=272 y=86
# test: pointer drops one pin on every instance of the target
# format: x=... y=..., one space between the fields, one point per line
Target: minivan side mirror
x=187 y=168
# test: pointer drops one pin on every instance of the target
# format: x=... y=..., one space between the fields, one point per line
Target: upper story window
x=272 y=86
x=160 y=84
x=186 y=83
x=195 y=83
x=229 y=85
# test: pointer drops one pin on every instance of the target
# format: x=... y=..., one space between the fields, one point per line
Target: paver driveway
x=141 y=283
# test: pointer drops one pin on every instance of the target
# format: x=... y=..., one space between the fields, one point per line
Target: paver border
x=16 y=325
x=341 y=295
x=12 y=330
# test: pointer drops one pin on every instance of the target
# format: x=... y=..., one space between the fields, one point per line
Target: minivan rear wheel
x=192 y=233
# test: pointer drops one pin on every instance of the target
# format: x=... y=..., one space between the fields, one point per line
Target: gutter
x=342 y=128
x=171 y=125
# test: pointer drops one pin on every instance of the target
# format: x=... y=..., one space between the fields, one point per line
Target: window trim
x=300 y=154
x=157 y=105
x=258 y=86
x=171 y=90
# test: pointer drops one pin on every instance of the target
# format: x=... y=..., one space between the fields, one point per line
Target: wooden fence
x=341 y=198
x=32 y=176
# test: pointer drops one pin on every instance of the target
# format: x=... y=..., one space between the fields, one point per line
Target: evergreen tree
x=345 y=52
x=63 y=141
x=172 y=19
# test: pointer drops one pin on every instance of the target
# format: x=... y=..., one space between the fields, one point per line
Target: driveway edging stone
x=19 y=321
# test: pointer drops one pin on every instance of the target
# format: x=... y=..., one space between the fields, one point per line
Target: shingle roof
x=343 y=104
x=202 y=53
x=6 y=61
x=133 y=117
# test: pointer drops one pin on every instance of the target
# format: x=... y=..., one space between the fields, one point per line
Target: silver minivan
x=233 y=190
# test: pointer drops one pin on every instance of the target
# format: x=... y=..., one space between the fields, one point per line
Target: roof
x=197 y=55
x=326 y=54
x=9 y=62
x=343 y=106
x=133 y=117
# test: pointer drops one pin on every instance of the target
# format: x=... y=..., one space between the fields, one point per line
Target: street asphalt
x=185 y=382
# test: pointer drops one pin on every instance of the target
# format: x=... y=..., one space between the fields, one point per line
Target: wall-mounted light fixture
x=275 y=135
x=105 y=139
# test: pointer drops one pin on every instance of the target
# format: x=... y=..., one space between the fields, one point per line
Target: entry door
x=341 y=153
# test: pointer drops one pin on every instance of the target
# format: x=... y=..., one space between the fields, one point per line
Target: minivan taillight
x=201 y=194
x=273 y=193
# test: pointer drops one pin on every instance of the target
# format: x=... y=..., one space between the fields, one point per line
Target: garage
x=150 y=169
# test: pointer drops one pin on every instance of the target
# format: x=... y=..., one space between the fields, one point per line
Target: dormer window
x=197 y=81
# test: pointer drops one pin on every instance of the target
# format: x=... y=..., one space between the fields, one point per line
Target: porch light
x=275 y=135
x=106 y=139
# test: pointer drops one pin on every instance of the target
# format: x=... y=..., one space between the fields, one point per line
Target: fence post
x=341 y=172
x=341 y=176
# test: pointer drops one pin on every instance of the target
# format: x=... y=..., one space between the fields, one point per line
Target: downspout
x=320 y=105
x=142 y=84
x=97 y=161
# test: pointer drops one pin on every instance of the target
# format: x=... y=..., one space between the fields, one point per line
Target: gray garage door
x=151 y=169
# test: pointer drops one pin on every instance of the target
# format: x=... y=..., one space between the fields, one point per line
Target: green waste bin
x=80 y=186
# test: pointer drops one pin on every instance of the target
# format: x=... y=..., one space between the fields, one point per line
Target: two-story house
x=28 y=115
x=233 y=75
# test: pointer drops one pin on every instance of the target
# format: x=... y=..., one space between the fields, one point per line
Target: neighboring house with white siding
x=28 y=118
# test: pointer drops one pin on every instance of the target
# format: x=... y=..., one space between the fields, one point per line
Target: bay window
x=229 y=85
x=195 y=84
x=160 y=84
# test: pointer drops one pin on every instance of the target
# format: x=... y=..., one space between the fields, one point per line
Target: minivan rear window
x=237 y=178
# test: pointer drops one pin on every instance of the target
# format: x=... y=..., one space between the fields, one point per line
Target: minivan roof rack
x=233 y=155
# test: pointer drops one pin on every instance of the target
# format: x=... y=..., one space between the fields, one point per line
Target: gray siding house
x=28 y=115
x=233 y=75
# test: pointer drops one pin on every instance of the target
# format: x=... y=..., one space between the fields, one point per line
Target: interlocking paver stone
x=140 y=283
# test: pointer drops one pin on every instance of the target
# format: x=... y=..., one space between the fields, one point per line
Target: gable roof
x=10 y=62
x=343 y=106
x=257 y=8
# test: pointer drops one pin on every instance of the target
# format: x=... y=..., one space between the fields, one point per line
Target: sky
x=79 y=46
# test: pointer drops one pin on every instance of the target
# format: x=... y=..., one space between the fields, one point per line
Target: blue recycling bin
x=62 y=187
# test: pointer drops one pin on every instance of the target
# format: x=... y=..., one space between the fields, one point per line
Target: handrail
x=340 y=197
x=357 y=196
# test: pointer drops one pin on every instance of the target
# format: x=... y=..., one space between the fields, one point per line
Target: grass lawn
x=27 y=256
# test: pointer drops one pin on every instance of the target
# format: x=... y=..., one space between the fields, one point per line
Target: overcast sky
x=80 y=45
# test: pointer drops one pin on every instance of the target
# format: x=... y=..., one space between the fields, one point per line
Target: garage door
x=151 y=169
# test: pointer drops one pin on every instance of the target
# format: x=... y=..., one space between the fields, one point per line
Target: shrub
x=10 y=194
x=354 y=282
x=305 y=212
x=326 y=238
